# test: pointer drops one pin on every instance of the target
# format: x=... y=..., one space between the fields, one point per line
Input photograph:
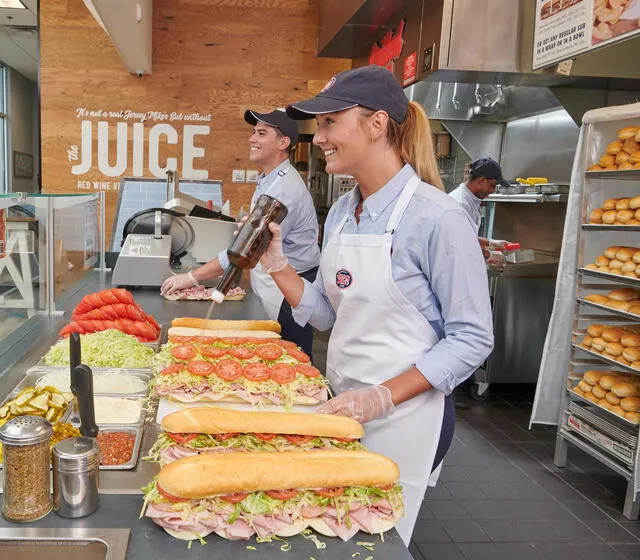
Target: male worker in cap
x=270 y=143
x=485 y=174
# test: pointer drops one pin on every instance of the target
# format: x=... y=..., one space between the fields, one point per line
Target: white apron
x=377 y=335
x=261 y=283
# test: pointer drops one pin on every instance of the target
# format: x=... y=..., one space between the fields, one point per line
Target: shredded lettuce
x=111 y=349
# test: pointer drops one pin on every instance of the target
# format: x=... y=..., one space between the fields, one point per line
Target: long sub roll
x=217 y=324
x=219 y=333
x=198 y=430
x=237 y=495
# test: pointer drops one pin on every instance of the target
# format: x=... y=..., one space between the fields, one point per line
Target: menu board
x=567 y=28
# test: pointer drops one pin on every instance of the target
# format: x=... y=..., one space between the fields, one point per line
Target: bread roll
x=624 y=254
x=622 y=360
x=592 y=266
x=622 y=158
x=584 y=386
x=212 y=474
x=636 y=257
x=637 y=214
x=614 y=349
x=594 y=330
x=627 y=132
x=624 y=389
x=616 y=271
x=592 y=377
x=612 y=334
x=622 y=203
x=614 y=148
x=609 y=204
x=632 y=354
x=630 y=339
x=633 y=221
x=607 y=160
x=635 y=309
x=598 y=344
x=613 y=167
x=634 y=157
x=623 y=294
x=615 y=264
x=635 y=365
x=612 y=398
x=190 y=331
x=606 y=354
x=595 y=217
x=634 y=203
x=586 y=341
x=594 y=167
x=623 y=216
x=632 y=417
x=591 y=397
x=215 y=324
x=620 y=305
x=211 y=420
x=607 y=381
x=598 y=391
x=578 y=391
x=610 y=252
x=597 y=298
x=630 y=404
x=609 y=217
x=629 y=266
x=625 y=164
x=601 y=260
x=604 y=403
x=629 y=146
x=603 y=269
x=617 y=410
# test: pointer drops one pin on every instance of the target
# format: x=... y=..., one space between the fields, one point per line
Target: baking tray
x=75 y=417
x=629 y=174
x=554 y=188
x=610 y=227
x=610 y=310
x=35 y=373
x=131 y=463
x=605 y=359
x=575 y=397
x=635 y=282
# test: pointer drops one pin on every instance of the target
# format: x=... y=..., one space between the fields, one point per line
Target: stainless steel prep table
x=120 y=500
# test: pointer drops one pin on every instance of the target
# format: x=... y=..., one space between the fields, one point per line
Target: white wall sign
x=138 y=141
x=567 y=28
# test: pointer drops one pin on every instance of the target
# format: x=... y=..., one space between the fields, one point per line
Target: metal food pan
x=13 y=393
x=613 y=415
x=35 y=373
x=40 y=366
x=133 y=461
x=75 y=419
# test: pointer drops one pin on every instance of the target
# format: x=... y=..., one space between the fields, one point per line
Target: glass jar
x=25 y=472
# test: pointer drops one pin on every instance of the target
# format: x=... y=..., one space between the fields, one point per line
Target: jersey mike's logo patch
x=329 y=84
x=343 y=279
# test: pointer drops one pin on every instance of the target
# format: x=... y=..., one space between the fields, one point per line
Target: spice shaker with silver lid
x=76 y=463
x=25 y=473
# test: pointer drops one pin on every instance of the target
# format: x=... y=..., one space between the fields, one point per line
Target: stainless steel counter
x=120 y=500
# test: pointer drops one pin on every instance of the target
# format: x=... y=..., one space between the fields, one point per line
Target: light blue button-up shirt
x=438 y=266
x=300 y=226
x=469 y=202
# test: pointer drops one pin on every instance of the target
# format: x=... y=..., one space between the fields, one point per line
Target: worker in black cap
x=272 y=138
x=485 y=175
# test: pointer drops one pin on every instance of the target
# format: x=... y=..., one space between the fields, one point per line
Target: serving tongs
x=82 y=388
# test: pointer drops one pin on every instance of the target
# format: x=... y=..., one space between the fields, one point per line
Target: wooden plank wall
x=209 y=56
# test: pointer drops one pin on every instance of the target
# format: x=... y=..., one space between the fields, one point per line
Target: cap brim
x=252 y=118
x=309 y=108
x=502 y=181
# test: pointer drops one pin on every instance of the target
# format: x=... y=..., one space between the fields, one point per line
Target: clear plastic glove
x=362 y=405
x=178 y=282
x=273 y=259
x=503 y=245
x=496 y=259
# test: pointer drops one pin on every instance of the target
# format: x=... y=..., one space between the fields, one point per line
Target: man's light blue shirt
x=470 y=203
x=438 y=266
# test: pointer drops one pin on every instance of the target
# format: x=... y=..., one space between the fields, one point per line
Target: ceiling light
x=12 y=4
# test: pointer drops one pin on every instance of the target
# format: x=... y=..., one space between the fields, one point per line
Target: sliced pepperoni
x=298 y=440
x=234 y=498
x=212 y=352
x=283 y=373
x=307 y=370
x=200 y=367
x=242 y=352
x=298 y=355
x=228 y=370
x=269 y=352
x=183 y=352
x=265 y=437
x=282 y=494
x=172 y=369
x=330 y=492
x=257 y=371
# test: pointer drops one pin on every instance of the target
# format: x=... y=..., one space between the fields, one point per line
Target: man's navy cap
x=373 y=87
x=489 y=169
x=278 y=119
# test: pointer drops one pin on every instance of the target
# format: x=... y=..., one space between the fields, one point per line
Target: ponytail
x=414 y=143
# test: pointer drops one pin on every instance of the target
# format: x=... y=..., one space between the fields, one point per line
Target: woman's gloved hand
x=496 y=259
x=273 y=259
x=362 y=405
x=178 y=282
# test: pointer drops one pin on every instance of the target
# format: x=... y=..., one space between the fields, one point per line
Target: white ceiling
x=19 y=39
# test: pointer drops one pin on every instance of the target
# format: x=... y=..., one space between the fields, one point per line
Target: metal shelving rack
x=610 y=439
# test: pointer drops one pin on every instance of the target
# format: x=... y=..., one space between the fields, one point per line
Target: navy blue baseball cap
x=277 y=119
x=373 y=87
x=489 y=169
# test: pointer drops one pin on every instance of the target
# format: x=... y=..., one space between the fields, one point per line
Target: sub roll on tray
x=612 y=390
x=621 y=344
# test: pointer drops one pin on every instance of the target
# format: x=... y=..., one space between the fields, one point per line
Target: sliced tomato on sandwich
x=224 y=437
x=283 y=373
x=344 y=439
x=183 y=352
x=200 y=367
x=233 y=340
x=269 y=352
x=298 y=440
x=330 y=492
x=298 y=355
x=234 y=498
x=265 y=437
x=228 y=370
x=169 y=497
x=182 y=438
x=257 y=371
x=212 y=351
x=307 y=370
x=286 y=344
x=242 y=352
x=174 y=368
x=282 y=494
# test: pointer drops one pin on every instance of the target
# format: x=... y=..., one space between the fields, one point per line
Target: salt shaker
x=76 y=463
x=25 y=473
